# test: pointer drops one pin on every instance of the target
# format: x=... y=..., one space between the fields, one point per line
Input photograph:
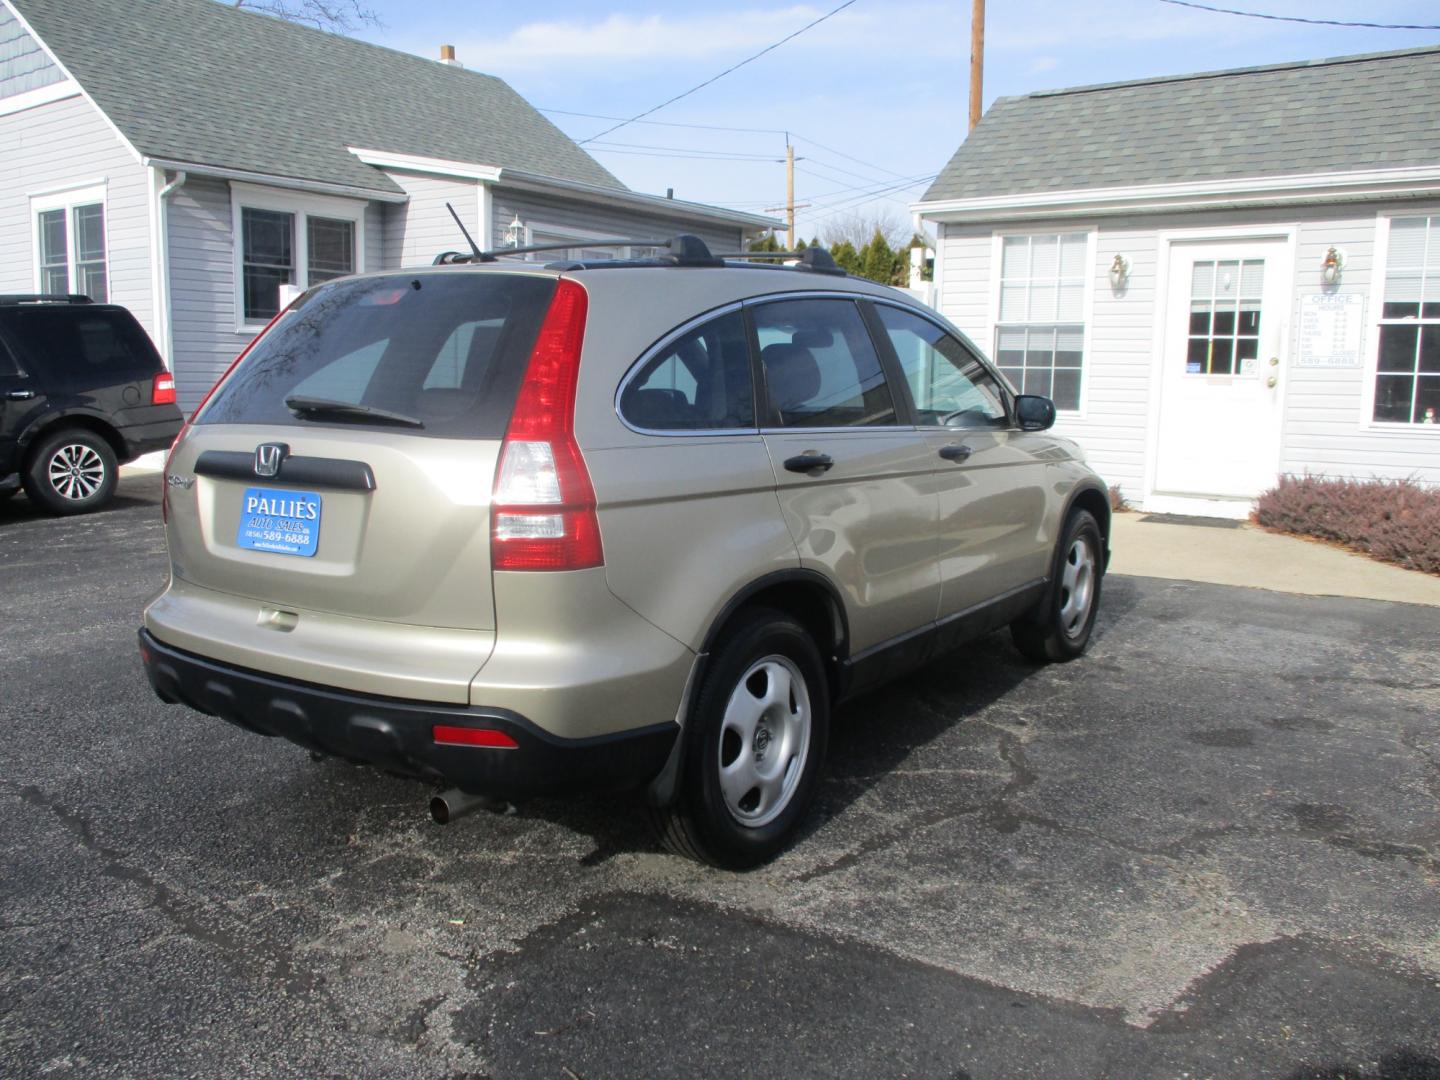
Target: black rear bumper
x=396 y=736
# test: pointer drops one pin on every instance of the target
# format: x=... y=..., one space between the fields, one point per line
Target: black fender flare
x=665 y=787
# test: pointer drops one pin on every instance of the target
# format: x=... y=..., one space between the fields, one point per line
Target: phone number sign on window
x=283 y=522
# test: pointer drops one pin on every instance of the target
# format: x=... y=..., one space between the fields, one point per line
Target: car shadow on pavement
x=130 y=493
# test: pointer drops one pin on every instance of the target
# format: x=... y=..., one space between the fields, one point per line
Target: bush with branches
x=1397 y=521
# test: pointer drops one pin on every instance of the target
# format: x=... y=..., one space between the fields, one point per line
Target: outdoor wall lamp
x=1333 y=266
x=1119 y=272
x=515 y=232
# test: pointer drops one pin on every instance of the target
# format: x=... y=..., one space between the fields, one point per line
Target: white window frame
x=1376 y=304
x=68 y=199
x=302 y=205
x=997 y=255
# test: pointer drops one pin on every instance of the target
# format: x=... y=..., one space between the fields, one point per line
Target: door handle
x=955 y=452
x=809 y=462
x=19 y=395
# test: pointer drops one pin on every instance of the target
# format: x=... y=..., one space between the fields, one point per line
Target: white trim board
x=1190 y=195
x=32 y=99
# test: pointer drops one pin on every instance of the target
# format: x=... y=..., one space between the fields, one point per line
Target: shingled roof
x=1346 y=114
x=205 y=83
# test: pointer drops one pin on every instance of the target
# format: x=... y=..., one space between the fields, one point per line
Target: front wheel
x=755 y=741
x=71 y=472
x=1060 y=629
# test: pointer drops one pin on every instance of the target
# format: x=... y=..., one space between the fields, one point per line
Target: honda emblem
x=268 y=457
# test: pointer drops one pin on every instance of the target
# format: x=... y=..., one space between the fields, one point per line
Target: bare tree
x=857 y=227
x=337 y=16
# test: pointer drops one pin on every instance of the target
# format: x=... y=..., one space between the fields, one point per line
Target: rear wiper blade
x=302 y=405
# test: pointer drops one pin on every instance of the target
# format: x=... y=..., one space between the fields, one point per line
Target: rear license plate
x=285 y=522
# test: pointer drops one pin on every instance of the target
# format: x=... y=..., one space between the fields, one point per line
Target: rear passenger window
x=697 y=383
x=821 y=369
x=82 y=348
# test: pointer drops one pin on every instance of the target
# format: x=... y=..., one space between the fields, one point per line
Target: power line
x=715 y=78
x=1299 y=19
x=667 y=123
x=740 y=154
x=692 y=157
x=841 y=153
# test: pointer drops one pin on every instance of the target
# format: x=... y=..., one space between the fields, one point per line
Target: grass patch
x=1397 y=521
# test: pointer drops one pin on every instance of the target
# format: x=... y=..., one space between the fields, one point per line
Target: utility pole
x=790 y=191
x=977 y=60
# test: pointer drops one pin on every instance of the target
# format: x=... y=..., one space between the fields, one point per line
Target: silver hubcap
x=1077 y=587
x=764 y=740
x=76 y=471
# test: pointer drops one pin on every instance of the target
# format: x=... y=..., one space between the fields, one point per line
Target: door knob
x=1272 y=382
x=19 y=395
x=809 y=462
x=1274 y=361
x=955 y=452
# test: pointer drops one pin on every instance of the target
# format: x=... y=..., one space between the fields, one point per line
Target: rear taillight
x=162 y=389
x=447 y=735
x=542 y=512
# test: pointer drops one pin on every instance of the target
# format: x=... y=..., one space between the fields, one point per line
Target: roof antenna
x=479 y=256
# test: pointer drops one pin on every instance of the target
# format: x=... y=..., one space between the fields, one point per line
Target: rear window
x=447 y=351
x=79 y=346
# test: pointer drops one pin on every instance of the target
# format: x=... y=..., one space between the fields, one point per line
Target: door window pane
x=269 y=260
x=1225 y=316
x=821 y=369
x=54 y=252
x=947 y=382
x=1408 y=365
x=331 y=248
x=700 y=382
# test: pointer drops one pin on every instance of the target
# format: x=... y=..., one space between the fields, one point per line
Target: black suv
x=82 y=390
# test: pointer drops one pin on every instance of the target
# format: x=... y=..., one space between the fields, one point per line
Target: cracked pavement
x=1209 y=848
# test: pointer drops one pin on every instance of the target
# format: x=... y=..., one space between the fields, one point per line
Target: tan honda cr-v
x=519 y=529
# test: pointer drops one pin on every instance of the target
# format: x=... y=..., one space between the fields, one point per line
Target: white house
x=185 y=158
x=1219 y=277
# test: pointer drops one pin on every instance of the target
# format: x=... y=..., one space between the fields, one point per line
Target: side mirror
x=1034 y=412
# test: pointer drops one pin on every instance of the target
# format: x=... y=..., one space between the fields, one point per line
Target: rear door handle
x=809 y=463
x=955 y=452
x=19 y=395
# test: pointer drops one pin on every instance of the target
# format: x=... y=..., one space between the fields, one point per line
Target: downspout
x=164 y=252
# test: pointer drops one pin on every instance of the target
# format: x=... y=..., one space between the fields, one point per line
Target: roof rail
x=45 y=298
x=814 y=258
x=683 y=250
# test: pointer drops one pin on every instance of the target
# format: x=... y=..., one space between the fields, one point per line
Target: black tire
x=71 y=471
x=1057 y=631
x=702 y=824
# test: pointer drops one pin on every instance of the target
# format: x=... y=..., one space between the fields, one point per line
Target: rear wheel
x=755 y=741
x=1060 y=629
x=71 y=471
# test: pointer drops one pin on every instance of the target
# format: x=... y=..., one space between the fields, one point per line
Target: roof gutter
x=1415 y=181
x=292 y=183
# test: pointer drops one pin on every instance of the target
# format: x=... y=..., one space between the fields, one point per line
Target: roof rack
x=45 y=298
x=817 y=259
x=682 y=250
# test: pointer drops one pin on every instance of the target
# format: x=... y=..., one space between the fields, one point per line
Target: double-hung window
x=1407 y=376
x=1040 y=334
x=70 y=243
x=285 y=240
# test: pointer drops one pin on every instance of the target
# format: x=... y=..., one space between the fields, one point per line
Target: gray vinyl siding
x=23 y=64
x=68 y=144
x=1325 y=430
x=202 y=283
x=418 y=230
x=540 y=211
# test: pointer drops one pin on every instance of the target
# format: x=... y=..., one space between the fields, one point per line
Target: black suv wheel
x=71 y=471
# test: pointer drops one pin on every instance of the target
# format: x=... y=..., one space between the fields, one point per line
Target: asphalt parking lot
x=1209 y=848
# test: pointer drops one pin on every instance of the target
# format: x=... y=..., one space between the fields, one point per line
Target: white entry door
x=1226 y=315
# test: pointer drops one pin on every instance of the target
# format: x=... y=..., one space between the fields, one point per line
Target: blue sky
x=873 y=97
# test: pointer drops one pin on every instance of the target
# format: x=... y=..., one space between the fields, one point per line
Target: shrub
x=1118 y=503
x=1394 y=520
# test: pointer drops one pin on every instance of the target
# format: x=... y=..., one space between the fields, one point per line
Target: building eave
x=655 y=203
x=1358 y=186
x=291 y=183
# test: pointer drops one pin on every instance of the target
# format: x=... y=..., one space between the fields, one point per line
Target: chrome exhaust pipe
x=451 y=805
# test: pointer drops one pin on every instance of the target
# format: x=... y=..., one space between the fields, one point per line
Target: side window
x=948 y=383
x=700 y=382
x=82 y=347
x=346 y=378
x=7 y=362
x=821 y=369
